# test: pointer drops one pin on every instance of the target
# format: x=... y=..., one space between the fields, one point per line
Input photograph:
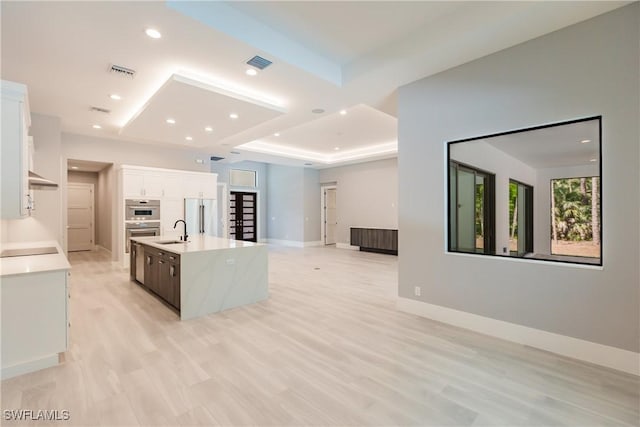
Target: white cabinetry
x=198 y=186
x=34 y=321
x=171 y=187
x=141 y=184
x=16 y=120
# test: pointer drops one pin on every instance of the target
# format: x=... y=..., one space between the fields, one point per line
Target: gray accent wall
x=588 y=69
x=223 y=170
x=311 y=205
x=285 y=207
x=367 y=195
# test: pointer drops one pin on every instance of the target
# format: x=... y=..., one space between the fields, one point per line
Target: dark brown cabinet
x=375 y=240
x=161 y=274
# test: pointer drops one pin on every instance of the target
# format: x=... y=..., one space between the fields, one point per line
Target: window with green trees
x=575 y=217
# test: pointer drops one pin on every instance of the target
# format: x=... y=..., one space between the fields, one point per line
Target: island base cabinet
x=34 y=321
x=161 y=274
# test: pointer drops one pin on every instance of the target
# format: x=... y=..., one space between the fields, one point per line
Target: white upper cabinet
x=16 y=120
x=152 y=183
x=141 y=183
x=200 y=185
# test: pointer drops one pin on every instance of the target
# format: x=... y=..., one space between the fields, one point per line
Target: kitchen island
x=202 y=276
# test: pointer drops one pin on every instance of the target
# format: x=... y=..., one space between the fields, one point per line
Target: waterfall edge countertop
x=26 y=264
x=199 y=243
x=215 y=274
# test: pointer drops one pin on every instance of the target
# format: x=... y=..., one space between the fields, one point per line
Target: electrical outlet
x=504 y=249
x=417 y=291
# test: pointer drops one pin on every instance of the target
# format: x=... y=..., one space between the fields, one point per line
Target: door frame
x=323 y=226
x=93 y=209
x=244 y=190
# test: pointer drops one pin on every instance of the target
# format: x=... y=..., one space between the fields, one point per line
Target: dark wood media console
x=378 y=240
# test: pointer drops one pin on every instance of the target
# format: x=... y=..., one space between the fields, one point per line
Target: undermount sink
x=170 y=242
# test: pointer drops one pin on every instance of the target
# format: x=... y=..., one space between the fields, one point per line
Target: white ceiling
x=329 y=55
x=86 y=165
x=555 y=146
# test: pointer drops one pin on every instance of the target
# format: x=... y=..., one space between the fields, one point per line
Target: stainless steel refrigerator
x=200 y=216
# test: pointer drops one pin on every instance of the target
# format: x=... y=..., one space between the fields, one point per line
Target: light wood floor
x=327 y=348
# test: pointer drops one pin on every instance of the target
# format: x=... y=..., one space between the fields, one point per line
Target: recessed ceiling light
x=74 y=167
x=276 y=134
x=153 y=33
x=317 y=111
x=251 y=72
x=171 y=121
x=224 y=144
x=336 y=148
x=584 y=141
x=115 y=97
x=208 y=129
x=593 y=160
x=188 y=138
x=233 y=116
x=343 y=112
x=97 y=127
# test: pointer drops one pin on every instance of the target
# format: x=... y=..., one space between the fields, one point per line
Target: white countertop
x=199 y=243
x=33 y=263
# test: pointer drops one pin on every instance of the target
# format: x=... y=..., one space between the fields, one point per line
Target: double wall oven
x=142 y=218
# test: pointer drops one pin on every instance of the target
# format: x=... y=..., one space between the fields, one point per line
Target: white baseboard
x=347 y=246
x=102 y=248
x=313 y=243
x=599 y=354
x=30 y=366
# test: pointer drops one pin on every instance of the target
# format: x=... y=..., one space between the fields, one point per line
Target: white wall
x=311 y=206
x=285 y=204
x=367 y=195
x=106 y=182
x=589 y=69
x=46 y=221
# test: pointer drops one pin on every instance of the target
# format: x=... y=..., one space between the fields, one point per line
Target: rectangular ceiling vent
x=216 y=158
x=259 y=62
x=122 y=71
x=100 y=110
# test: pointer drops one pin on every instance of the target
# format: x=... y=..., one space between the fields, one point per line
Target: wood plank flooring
x=327 y=348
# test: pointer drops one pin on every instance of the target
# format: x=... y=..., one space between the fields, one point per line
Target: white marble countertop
x=199 y=243
x=33 y=263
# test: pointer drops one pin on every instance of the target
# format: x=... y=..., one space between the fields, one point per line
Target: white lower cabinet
x=35 y=321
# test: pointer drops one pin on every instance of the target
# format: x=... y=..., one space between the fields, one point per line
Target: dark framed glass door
x=471 y=209
x=243 y=216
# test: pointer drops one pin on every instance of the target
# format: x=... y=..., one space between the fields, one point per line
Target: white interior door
x=330 y=216
x=80 y=217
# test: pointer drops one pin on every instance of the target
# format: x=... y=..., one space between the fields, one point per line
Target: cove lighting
x=383 y=149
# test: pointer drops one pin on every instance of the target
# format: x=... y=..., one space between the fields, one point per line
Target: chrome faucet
x=185 y=237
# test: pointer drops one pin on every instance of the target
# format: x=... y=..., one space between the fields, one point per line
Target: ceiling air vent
x=122 y=71
x=259 y=62
x=100 y=110
x=216 y=158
